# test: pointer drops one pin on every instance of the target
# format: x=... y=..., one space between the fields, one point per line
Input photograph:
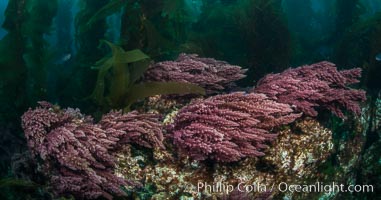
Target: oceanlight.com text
x=283 y=187
x=332 y=187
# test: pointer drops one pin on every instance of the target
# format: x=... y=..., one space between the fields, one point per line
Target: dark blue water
x=72 y=53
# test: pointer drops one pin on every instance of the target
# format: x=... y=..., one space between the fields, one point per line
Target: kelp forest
x=140 y=91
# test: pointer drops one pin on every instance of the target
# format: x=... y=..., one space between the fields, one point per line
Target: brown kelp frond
x=107 y=10
x=148 y=89
x=117 y=87
x=117 y=63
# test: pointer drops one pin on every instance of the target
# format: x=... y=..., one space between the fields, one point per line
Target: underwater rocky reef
x=190 y=99
x=270 y=134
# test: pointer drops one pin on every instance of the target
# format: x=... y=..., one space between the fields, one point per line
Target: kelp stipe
x=23 y=51
x=112 y=7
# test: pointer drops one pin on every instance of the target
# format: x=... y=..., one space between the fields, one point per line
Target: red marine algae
x=78 y=156
x=312 y=86
x=229 y=127
x=213 y=75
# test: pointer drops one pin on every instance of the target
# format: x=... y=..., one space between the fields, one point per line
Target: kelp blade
x=121 y=56
x=137 y=70
x=98 y=92
x=124 y=75
x=107 y=10
x=132 y=56
x=11 y=182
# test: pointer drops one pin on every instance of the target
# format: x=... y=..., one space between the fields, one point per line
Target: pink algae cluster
x=78 y=156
